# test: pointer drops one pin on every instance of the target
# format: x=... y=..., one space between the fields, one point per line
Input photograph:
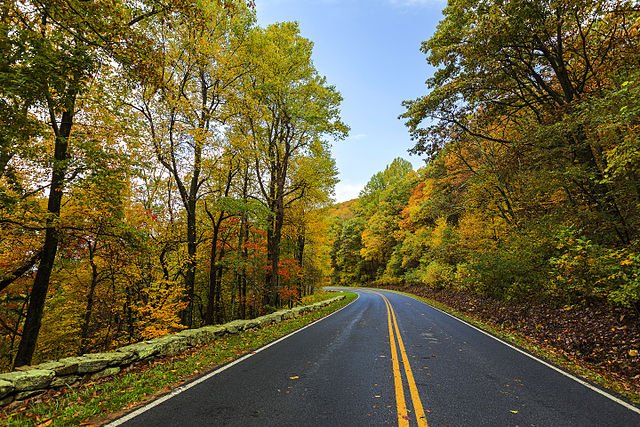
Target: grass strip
x=603 y=379
x=98 y=402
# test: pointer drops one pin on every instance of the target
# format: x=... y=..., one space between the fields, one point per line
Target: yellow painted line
x=400 y=400
x=415 y=397
x=403 y=415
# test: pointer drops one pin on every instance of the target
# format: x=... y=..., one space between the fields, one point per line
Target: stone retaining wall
x=29 y=381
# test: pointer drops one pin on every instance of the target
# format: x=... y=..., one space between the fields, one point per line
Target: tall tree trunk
x=218 y=294
x=190 y=273
x=300 y=258
x=245 y=256
x=210 y=316
x=40 y=288
x=273 y=247
x=239 y=275
x=84 y=332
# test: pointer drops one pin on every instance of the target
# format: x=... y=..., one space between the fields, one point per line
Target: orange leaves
x=289 y=294
x=289 y=269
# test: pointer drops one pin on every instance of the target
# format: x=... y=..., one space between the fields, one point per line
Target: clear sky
x=370 y=50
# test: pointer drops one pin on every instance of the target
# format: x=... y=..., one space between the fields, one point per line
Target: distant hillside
x=344 y=210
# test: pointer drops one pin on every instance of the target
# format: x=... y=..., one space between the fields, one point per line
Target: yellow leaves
x=438 y=232
x=633 y=353
x=158 y=316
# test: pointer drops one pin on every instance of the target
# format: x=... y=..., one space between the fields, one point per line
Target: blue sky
x=370 y=50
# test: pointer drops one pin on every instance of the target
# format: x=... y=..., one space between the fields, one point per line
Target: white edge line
x=194 y=383
x=547 y=364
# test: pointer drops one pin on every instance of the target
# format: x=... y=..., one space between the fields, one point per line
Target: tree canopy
x=161 y=167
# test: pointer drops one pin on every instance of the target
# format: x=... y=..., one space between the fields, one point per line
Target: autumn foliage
x=139 y=188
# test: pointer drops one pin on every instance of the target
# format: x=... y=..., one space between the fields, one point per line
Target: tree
x=66 y=44
x=513 y=73
x=288 y=112
x=369 y=197
x=200 y=69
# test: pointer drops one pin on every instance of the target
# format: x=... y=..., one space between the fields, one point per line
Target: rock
x=251 y=324
x=67 y=366
x=263 y=321
x=215 y=330
x=203 y=335
x=27 y=394
x=235 y=326
x=196 y=336
x=105 y=373
x=94 y=362
x=64 y=381
x=6 y=387
x=115 y=358
x=286 y=314
x=169 y=345
x=142 y=350
x=60 y=368
x=85 y=365
x=89 y=363
x=32 y=379
x=276 y=317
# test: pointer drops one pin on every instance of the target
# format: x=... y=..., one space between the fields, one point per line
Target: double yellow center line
x=403 y=415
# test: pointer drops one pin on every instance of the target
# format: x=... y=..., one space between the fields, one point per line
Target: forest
x=162 y=166
x=531 y=190
x=167 y=165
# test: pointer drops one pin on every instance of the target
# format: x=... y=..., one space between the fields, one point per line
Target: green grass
x=92 y=402
x=549 y=354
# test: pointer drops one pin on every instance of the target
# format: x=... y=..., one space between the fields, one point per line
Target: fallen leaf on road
x=294 y=378
x=514 y=412
x=377 y=396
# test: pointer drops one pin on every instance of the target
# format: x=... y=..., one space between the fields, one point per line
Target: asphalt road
x=387 y=359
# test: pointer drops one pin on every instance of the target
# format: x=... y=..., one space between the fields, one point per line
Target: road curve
x=387 y=359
